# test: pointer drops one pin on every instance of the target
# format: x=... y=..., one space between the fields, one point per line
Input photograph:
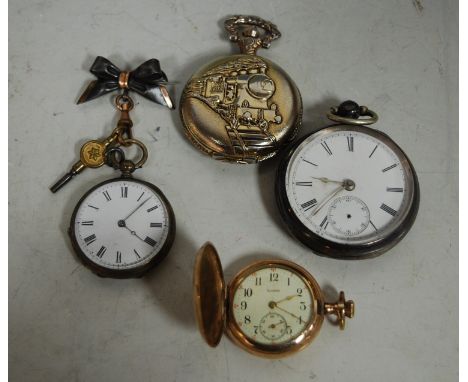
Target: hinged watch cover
x=242 y=108
x=209 y=294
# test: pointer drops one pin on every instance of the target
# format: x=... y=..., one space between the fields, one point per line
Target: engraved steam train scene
x=239 y=92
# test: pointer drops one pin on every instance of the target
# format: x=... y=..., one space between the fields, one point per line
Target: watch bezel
x=328 y=248
x=137 y=271
x=280 y=350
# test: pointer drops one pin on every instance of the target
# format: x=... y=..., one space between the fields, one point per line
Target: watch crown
x=341 y=309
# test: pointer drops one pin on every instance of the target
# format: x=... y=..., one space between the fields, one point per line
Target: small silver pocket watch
x=123 y=226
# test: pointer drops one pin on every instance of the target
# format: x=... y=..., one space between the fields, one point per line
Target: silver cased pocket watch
x=122 y=227
x=347 y=191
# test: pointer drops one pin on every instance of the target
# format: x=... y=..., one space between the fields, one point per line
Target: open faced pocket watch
x=124 y=226
x=242 y=108
x=347 y=190
x=272 y=308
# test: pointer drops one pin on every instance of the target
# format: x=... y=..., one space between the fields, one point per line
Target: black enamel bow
x=148 y=80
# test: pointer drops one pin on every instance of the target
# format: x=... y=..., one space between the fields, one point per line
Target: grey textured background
x=65 y=324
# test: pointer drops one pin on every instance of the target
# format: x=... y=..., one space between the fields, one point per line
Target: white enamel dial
x=121 y=225
x=273 y=305
x=349 y=186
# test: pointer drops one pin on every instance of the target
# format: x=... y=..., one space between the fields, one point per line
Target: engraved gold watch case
x=242 y=108
x=214 y=305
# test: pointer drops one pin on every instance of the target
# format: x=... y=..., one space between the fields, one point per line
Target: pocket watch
x=242 y=108
x=122 y=227
x=347 y=190
x=272 y=308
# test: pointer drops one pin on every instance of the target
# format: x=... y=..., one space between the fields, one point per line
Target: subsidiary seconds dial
x=347 y=191
x=122 y=227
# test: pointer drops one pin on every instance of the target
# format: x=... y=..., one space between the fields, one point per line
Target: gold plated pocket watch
x=242 y=108
x=347 y=190
x=272 y=308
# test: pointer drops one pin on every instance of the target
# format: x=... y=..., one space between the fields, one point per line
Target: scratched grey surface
x=66 y=324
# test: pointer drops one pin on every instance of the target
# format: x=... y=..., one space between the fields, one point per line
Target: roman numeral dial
x=121 y=225
x=348 y=186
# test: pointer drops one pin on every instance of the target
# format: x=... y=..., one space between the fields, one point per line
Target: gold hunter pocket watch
x=242 y=108
x=347 y=190
x=272 y=308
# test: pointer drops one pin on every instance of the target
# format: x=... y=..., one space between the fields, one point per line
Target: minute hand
x=136 y=209
x=327 y=198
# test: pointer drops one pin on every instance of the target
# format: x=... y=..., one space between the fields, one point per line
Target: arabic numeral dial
x=272 y=305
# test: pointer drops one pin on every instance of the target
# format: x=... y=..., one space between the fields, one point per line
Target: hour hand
x=121 y=223
x=287 y=298
x=346 y=184
x=326 y=180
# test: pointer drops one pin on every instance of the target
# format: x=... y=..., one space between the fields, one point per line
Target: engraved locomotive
x=240 y=92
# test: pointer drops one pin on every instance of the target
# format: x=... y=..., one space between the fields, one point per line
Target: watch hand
x=335 y=192
x=273 y=304
x=326 y=180
x=132 y=232
x=346 y=184
x=136 y=209
x=273 y=326
x=287 y=298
